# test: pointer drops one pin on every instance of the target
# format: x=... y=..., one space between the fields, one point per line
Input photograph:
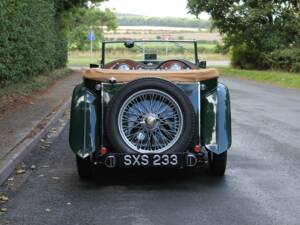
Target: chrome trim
x=213 y=145
x=203 y=87
x=199 y=112
x=98 y=87
x=110 y=161
x=102 y=115
x=112 y=80
x=191 y=160
x=83 y=154
x=126 y=82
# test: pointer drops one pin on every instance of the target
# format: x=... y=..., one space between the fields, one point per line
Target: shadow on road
x=154 y=178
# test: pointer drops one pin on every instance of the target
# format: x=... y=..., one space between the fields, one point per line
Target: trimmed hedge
x=31 y=39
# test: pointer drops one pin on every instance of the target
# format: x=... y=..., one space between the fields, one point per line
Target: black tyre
x=217 y=163
x=85 y=168
x=162 y=118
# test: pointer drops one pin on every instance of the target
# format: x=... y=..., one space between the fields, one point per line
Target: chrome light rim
x=150 y=121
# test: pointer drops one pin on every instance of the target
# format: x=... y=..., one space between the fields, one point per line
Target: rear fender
x=84 y=122
x=216 y=120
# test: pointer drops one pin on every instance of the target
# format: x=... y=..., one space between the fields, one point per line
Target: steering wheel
x=177 y=65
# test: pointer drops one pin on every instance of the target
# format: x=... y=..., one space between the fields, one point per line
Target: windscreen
x=150 y=51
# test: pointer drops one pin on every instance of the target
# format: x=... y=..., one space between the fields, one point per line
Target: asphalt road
x=261 y=186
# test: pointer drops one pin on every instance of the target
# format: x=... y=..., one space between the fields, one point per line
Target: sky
x=161 y=8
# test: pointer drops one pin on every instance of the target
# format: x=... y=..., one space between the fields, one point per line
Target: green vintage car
x=159 y=107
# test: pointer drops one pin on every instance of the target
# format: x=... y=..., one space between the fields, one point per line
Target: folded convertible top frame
x=104 y=75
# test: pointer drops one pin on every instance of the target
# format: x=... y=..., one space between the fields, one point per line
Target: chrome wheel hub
x=150 y=121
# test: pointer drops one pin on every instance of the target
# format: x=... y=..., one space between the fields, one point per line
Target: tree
x=83 y=20
x=65 y=5
x=138 y=20
x=253 y=28
x=75 y=16
x=33 y=36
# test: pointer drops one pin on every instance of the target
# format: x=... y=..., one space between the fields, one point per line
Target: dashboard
x=171 y=65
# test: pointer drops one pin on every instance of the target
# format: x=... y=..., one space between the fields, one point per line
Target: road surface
x=261 y=186
x=214 y=63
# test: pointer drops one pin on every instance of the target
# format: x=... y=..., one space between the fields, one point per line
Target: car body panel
x=211 y=105
x=84 y=134
x=216 y=126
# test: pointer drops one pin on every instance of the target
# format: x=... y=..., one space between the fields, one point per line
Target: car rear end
x=150 y=121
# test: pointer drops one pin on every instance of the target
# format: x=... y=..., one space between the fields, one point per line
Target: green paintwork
x=87 y=131
x=192 y=91
x=84 y=135
x=216 y=120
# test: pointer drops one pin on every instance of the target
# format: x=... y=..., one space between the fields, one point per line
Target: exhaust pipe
x=110 y=161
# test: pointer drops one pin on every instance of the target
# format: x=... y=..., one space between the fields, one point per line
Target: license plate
x=143 y=160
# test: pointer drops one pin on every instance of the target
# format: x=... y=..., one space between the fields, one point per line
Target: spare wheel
x=150 y=116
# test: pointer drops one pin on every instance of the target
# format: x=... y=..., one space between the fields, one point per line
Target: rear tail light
x=103 y=151
x=197 y=149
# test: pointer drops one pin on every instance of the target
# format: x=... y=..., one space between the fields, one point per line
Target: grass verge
x=40 y=82
x=282 y=79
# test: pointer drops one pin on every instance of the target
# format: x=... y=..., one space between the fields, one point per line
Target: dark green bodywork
x=85 y=123
x=212 y=107
x=216 y=120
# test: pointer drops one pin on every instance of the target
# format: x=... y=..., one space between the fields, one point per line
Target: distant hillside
x=138 y=20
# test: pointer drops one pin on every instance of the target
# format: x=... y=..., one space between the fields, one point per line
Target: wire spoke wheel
x=150 y=116
x=150 y=121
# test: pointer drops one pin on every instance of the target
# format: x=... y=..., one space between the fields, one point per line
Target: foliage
x=137 y=20
x=34 y=83
x=245 y=58
x=65 y=5
x=286 y=59
x=83 y=20
x=31 y=42
x=33 y=37
x=253 y=29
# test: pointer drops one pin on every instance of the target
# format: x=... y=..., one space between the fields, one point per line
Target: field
x=207 y=43
x=172 y=33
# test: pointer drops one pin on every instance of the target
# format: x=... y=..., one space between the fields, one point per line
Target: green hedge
x=244 y=57
x=31 y=40
x=287 y=60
